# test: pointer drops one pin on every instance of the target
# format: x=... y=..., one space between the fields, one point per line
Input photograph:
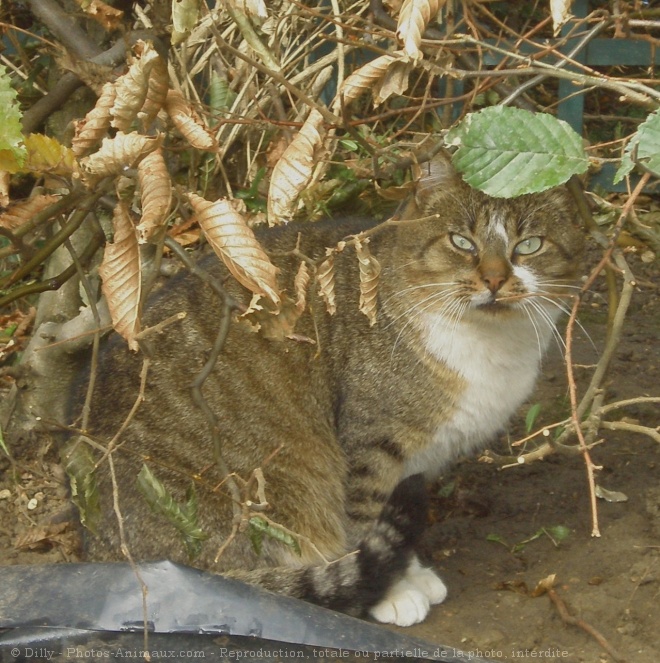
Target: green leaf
x=496 y=538
x=80 y=465
x=643 y=147
x=350 y=145
x=627 y=164
x=521 y=544
x=221 y=96
x=182 y=517
x=531 y=416
x=256 y=537
x=507 y=152
x=12 y=151
x=447 y=490
x=557 y=533
x=260 y=528
x=184 y=18
x=3 y=446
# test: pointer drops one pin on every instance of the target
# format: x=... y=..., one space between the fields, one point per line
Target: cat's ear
x=436 y=175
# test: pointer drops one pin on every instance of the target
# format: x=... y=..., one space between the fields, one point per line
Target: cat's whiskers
x=544 y=316
x=566 y=311
x=451 y=311
x=533 y=322
x=431 y=284
x=417 y=309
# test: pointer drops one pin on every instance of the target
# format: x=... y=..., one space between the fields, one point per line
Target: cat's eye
x=528 y=246
x=462 y=243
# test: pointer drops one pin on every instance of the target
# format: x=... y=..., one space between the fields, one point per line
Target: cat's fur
x=439 y=374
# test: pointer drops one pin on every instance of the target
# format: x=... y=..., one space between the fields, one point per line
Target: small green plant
x=556 y=534
x=260 y=527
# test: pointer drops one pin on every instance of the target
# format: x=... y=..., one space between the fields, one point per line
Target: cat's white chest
x=497 y=362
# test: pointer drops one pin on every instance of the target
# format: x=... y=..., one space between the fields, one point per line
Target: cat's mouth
x=493 y=306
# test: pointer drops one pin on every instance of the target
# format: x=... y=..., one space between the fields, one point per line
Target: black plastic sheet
x=85 y=612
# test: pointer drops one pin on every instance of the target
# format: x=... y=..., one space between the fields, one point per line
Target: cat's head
x=471 y=256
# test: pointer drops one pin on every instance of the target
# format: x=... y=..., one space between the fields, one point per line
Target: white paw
x=404 y=605
x=427 y=582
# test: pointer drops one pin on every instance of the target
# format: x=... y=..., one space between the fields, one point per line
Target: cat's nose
x=494 y=281
x=494 y=271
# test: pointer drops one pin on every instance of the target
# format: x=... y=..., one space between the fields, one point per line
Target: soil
x=493 y=535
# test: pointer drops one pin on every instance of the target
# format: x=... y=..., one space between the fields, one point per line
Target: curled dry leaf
x=92 y=129
x=544 y=585
x=22 y=212
x=156 y=194
x=5 y=177
x=188 y=122
x=325 y=277
x=300 y=284
x=256 y=9
x=121 y=277
x=118 y=154
x=413 y=19
x=43 y=537
x=157 y=89
x=233 y=240
x=132 y=87
x=275 y=326
x=369 y=277
x=294 y=170
x=561 y=14
x=394 y=82
x=363 y=80
x=109 y=17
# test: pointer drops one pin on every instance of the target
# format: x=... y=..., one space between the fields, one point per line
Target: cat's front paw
x=403 y=605
x=427 y=582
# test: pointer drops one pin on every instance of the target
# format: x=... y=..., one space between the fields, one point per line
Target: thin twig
x=127 y=553
x=567 y=618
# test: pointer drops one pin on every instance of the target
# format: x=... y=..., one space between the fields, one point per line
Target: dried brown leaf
x=394 y=82
x=325 y=277
x=544 y=585
x=133 y=86
x=189 y=123
x=253 y=8
x=42 y=537
x=157 y=89
x=233 y=240
x=117 y=154
x=121 y=277
x=414 y=17
x=364 y=79
x=92 y=129
x=109 y=17
x=94 y=75
x=396 y=193
x=274 y=326
x=561 y=13
x=300 y=284
x=187 y=238
x=21 y=212
x=369 y=278
x=5 y=177
x=294 y=170
x=156 y=194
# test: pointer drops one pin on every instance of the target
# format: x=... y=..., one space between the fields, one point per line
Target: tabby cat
x=342 y=426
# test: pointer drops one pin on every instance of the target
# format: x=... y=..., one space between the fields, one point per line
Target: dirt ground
x=482 y=515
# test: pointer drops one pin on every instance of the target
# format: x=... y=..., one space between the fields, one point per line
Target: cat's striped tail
x=358 y=582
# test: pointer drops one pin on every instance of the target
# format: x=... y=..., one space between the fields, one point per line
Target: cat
x=346 y=419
